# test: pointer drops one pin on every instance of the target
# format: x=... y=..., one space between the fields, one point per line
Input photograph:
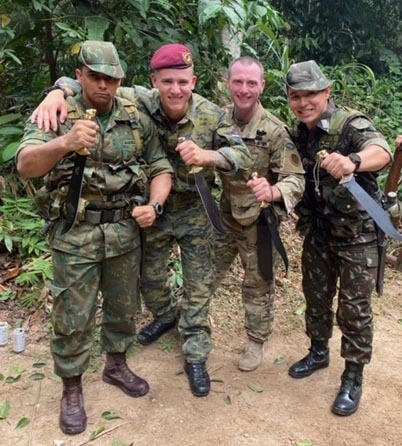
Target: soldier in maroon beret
x=194 y=132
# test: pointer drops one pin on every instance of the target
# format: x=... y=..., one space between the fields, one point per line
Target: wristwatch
x=47 y=90
x=158 y=208
x=356 y=160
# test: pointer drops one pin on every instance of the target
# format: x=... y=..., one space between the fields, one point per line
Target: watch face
x=355 y=158
x=158 y=208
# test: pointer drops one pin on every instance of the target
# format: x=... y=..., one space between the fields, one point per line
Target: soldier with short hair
x=280 y=184
x=193 y=132
x=340 y=251
x=102 y=250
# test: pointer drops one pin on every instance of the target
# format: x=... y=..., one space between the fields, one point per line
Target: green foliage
x=356 y=86
x=21 y=232
x=336 y=32
x=11 y=131
x=38 y=270
x=21 y=227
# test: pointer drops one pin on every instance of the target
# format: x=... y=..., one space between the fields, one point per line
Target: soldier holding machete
x=340 y=236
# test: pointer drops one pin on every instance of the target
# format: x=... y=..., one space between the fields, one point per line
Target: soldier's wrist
x=48 y=90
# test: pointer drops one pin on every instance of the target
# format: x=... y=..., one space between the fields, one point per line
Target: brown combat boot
x=73 y=419
x=117 y=373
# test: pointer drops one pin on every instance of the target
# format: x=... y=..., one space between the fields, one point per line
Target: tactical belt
x=100 y=216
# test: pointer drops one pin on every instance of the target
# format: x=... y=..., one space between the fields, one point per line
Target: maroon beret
x=172 y=55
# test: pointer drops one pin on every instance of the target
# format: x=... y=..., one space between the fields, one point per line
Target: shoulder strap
x=132 y=110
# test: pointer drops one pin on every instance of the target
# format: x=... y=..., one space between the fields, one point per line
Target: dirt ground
x=264 y=408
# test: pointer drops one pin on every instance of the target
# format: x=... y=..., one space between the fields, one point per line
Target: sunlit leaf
x=279 y=361
x=255 y=388
x=228 y=400
x=118 y=442
x=22 y=423
x=12 y=379
x=304 y=443
x=5 y=20
x=4 y=410
x=110 y=415
x=96 y=432
x=37 y=376
x=301 y=310
x=39 y=365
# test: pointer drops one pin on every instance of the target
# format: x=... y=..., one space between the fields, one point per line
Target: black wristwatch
x=356 y=160
x=158 y=208
x=47 y=90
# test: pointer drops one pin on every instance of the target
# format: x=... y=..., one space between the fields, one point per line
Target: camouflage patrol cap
x=101 y=57
x=306 y=76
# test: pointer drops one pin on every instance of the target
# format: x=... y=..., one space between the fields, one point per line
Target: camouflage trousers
x=324 y=262
x=257 y=293
x=184 y=223
x=76 y=285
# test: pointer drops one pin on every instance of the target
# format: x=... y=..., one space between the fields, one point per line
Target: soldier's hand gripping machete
x=375 y=211
x=75 y=186
x=207 y=199
x=267 y=237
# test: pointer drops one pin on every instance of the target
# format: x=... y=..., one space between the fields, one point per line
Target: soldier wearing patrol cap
x=280 y=183
x=194 y=132
x=102 y=250
x=340 y=237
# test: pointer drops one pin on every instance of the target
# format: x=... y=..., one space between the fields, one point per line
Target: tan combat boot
x=73 y=419
x=252 y=356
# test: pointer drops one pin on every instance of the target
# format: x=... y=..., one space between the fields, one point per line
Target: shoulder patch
x=361 y=123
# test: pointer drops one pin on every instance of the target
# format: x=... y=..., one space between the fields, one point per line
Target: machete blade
x=209 y=203
x=375 y=211
x=75 y=186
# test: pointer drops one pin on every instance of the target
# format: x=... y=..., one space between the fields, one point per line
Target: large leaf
x=4 y=410
x=9 y=151
x=96 y=27
x=22 y=423
x=10 y=117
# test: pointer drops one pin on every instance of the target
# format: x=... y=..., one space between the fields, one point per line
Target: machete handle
x=90 y=113
x=394 y=175
x=322 y=154
x=193 y=169
x=263 y=204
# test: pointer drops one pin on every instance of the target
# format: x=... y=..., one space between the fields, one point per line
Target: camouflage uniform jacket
x=118 y=168
x=275 y=157
x=328 y=207
x=204 y=123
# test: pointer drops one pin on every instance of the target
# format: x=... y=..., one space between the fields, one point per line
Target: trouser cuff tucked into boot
x=348 y=399
x=117 y=373
x=318 y=358
x=73 y=419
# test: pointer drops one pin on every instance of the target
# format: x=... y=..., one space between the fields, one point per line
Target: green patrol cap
x=101 y=57
x=306 y=76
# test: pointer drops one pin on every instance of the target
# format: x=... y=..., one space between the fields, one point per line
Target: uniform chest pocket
x=260 y=152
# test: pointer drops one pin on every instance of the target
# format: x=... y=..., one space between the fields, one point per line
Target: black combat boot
x=73 y=419
x=153 y=331
x=348 y=398
x=198 y=377
x=117 y=373
x=318 y=358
